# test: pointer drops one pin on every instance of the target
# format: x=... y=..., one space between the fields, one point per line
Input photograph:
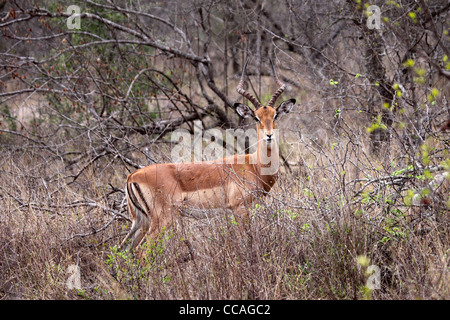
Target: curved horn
x=281 y=88
x=240 y=89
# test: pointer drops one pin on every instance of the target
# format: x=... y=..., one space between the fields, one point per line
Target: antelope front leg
x=242 y=215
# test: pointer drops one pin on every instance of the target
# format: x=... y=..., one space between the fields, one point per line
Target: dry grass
x=340 y=206
x=304 y=240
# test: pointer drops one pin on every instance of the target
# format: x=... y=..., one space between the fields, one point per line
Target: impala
x=159 y=194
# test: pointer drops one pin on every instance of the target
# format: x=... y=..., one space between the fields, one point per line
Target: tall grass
x=306 y=239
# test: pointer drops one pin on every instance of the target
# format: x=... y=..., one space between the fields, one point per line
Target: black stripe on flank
x=139 y=191
x=133 y=198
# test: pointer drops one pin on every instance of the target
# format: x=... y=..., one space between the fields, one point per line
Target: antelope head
x=265 y=116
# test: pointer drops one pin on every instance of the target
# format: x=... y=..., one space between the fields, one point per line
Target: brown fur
x=158 y=194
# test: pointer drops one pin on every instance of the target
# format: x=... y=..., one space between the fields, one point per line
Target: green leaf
x=420 y=72
x=408 y=63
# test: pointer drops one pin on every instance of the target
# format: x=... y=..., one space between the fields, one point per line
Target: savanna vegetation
x=361 y=208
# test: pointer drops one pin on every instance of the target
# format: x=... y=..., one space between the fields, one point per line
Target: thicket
x=365 y=175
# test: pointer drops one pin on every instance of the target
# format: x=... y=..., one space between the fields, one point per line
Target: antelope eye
x=257 y=119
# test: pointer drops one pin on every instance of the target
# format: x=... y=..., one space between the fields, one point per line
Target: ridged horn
x=281 y=85
x=240 y=89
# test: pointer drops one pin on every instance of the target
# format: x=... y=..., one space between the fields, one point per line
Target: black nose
x=269 y=136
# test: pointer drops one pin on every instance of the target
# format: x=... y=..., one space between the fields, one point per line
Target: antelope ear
x=243 y=110
x=285 y=107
